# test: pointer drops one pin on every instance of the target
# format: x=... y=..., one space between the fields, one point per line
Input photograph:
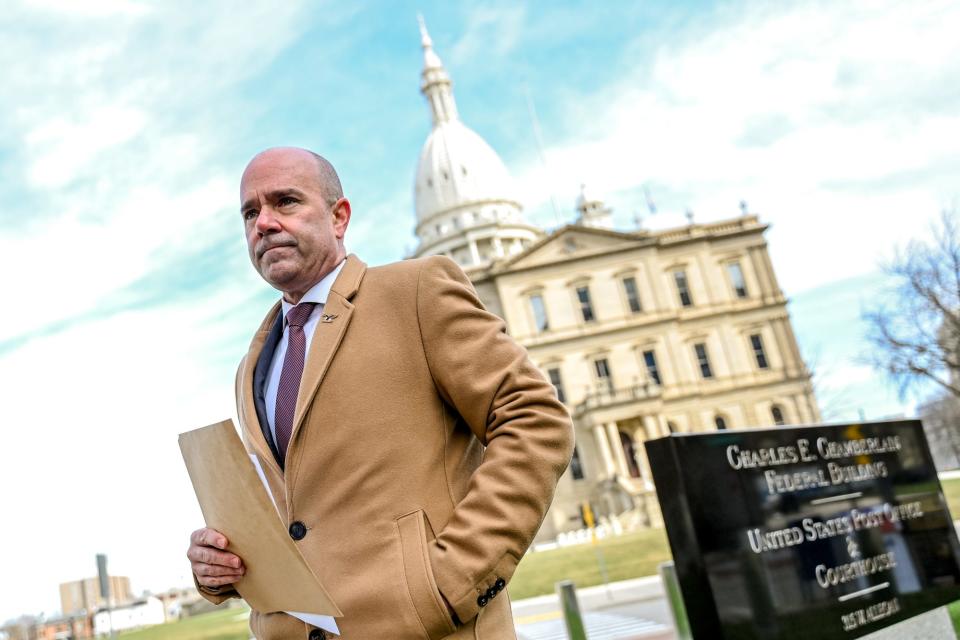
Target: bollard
x=571 y=610
x=671 y=587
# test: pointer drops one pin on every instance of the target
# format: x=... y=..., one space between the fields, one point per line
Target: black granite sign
x=805 y=532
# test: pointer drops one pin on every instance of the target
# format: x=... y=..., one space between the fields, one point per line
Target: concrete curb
x=635 y=590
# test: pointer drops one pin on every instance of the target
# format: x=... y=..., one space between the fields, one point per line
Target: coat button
x=491 y=593
x=318 y=634
x=298 y=531
x=500 y=584
x=483 y=600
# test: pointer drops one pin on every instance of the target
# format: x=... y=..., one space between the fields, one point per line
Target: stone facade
x=645 y=333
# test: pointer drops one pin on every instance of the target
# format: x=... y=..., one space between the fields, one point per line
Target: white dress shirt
x=317 y=293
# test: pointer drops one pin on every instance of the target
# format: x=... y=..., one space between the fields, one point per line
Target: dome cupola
x=464 y=196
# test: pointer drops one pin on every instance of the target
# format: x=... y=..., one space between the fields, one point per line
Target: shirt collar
x=318 y=293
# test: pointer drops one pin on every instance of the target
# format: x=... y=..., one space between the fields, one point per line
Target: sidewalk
x=627 y=610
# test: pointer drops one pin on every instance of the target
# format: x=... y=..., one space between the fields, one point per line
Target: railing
x=604 y=395
x=715 y=228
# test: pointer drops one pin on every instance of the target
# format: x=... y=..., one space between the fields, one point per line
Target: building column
x=604 y=448
x=662 y=421
x=474 y=252
x=619 y=455
x=650 y=428
x=497 y=246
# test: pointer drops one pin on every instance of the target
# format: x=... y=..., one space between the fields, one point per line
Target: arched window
x=720 y=421
x=777 y=414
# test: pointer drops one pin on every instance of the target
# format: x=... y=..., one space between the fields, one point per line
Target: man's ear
x=341 y=217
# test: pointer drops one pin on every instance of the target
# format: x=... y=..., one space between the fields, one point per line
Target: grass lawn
x=632 y=555
x=224 y=624
x=951 y=489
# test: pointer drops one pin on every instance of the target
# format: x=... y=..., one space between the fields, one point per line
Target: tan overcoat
x=426 y=449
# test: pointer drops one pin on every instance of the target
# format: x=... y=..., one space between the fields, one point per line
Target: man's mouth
x=264 y=251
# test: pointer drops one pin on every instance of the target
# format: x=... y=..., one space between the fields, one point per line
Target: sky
x=124 y=127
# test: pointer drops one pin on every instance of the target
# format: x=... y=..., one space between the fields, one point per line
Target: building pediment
x=571 y=242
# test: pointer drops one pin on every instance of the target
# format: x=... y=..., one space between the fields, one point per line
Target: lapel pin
x=327 y=317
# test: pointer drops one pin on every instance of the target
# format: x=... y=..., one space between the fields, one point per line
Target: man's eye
x=249 y=214
x=285 y=200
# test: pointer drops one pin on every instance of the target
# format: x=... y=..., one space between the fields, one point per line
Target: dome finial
x=424 y=36
x=430 y=58
x=435 y=82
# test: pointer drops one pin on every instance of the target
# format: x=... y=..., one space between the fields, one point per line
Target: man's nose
x=267 y=221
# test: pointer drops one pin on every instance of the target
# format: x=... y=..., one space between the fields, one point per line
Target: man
x=409 y=443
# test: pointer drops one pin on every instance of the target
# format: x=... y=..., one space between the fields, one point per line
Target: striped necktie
x=290 y=375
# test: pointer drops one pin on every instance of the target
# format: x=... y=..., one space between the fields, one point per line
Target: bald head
x=326 y=175
x=295 y=218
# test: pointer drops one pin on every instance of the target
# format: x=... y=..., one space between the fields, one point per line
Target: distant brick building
x=76 y=627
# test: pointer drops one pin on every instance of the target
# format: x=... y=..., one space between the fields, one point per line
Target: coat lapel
x=247 y=405
x=327 y=337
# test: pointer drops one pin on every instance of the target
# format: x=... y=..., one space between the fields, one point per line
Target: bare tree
x=941 y=417
x=834 y=403
x=916 y=334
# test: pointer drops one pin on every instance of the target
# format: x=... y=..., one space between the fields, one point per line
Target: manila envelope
x=235 y=503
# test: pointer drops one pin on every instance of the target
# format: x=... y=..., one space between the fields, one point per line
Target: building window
x=586 y=307
x=650 y=359
x=683 y=288
x=602 y=369
x=633 y=295
x=557 y=383
x=757 y=343
x=576 y=465
x=703 y=360
x=736 y=279
x=721 y=423
x=540 y=322
x=777 y=414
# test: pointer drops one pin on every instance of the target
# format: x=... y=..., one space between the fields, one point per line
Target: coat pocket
x=421 y=585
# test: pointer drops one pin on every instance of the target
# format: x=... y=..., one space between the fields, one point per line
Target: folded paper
x=235 y=503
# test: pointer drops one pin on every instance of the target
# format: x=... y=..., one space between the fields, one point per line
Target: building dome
x=458 y=168
x=465 y=198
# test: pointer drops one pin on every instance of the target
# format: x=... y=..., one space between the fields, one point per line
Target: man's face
x=294 y=237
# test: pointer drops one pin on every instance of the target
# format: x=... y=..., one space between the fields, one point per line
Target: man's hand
x=213 y=566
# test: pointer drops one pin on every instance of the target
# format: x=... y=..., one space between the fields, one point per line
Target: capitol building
x=643 y=333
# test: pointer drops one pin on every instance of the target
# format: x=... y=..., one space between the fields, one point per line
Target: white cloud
x=90 y=8
x=113 y=395
x=60 y=147
x=119 y=159
x=835 y=121
x=490 y=31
